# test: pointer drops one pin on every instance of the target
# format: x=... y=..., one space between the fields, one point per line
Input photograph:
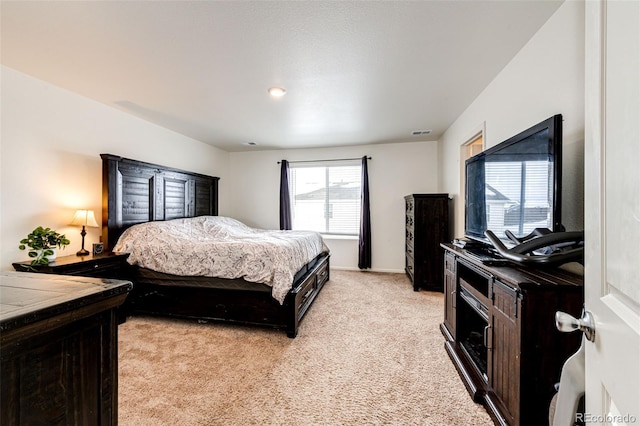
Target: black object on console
x=542 y=247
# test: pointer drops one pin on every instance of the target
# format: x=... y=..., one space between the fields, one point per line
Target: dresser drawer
x=322 y=276
x=409 y=265
x=93 y=269
x=409 y=221
x=409 y=205
x=409 y=237
x=307 y=289
x=409 y=250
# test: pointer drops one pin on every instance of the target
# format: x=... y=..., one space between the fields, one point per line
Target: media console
x=500 y=332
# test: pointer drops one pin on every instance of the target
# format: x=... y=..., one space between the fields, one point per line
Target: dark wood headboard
x=135 y=192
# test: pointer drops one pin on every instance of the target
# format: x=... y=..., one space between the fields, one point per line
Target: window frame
x=327 y=165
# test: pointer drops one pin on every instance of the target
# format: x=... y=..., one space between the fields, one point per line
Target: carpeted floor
x=369 y=352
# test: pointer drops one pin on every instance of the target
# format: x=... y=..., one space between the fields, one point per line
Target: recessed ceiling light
x=277 y=91
x=251 y=143
x=420 y=132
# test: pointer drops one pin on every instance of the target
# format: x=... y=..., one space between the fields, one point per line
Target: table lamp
x=84 y=218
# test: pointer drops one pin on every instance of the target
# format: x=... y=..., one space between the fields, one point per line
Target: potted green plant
x=42 y=243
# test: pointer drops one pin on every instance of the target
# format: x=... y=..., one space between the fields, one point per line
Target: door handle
x=567 y=323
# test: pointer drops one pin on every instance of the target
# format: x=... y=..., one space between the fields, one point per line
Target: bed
x=139 y=195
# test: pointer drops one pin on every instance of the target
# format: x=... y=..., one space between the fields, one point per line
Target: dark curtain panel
x=285 y=199
x=364 y=252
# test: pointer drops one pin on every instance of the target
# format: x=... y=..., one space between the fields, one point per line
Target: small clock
x=98 y=248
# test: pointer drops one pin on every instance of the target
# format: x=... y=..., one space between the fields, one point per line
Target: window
x=326 y=198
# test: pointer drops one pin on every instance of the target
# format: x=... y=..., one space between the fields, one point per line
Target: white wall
x=545 y=78
x=395 y=170
x=51 y=141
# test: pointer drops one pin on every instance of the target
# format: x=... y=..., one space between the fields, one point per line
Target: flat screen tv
x=516 y=185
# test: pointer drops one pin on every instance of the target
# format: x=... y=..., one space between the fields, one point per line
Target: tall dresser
x=427 y=225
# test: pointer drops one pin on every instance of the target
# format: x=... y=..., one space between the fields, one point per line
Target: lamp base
x=83 y=252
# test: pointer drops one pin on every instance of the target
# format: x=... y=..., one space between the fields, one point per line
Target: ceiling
x=356 y=72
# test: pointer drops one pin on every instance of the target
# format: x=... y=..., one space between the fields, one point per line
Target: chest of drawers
x=427 y=220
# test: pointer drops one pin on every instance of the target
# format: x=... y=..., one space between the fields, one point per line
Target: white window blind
x=506 y=182
x=326 y=197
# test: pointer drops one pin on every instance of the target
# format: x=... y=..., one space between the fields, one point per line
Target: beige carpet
x=369 y=352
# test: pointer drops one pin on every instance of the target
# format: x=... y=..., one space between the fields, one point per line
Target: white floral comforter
x=215 y=246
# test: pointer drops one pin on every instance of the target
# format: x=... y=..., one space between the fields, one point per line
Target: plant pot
x=51 y=257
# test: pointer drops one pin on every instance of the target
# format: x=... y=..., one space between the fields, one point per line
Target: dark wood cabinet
x=59 y=349
x=427 y=221
x=500 y=333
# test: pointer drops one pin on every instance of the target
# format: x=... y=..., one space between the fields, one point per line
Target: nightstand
x=108 y=265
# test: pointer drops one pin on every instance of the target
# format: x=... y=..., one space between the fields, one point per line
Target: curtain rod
x=333 y=159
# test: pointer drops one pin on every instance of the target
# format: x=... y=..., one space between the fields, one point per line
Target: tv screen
x=515 y=185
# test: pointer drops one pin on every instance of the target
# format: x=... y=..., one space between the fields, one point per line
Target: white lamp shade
x=84 y=218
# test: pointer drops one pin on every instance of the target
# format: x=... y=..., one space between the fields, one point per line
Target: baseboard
x=349 y=268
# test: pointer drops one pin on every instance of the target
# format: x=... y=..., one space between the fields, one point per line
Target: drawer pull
x=95 y=266
x=486 y=337
x=308 y=293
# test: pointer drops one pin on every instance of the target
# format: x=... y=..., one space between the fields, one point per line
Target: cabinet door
x=504 y=351
x=450 y=290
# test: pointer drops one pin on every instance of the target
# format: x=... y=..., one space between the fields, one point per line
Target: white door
x=612 y=210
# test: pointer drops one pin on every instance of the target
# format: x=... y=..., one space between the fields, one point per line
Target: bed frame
x=136 y=192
